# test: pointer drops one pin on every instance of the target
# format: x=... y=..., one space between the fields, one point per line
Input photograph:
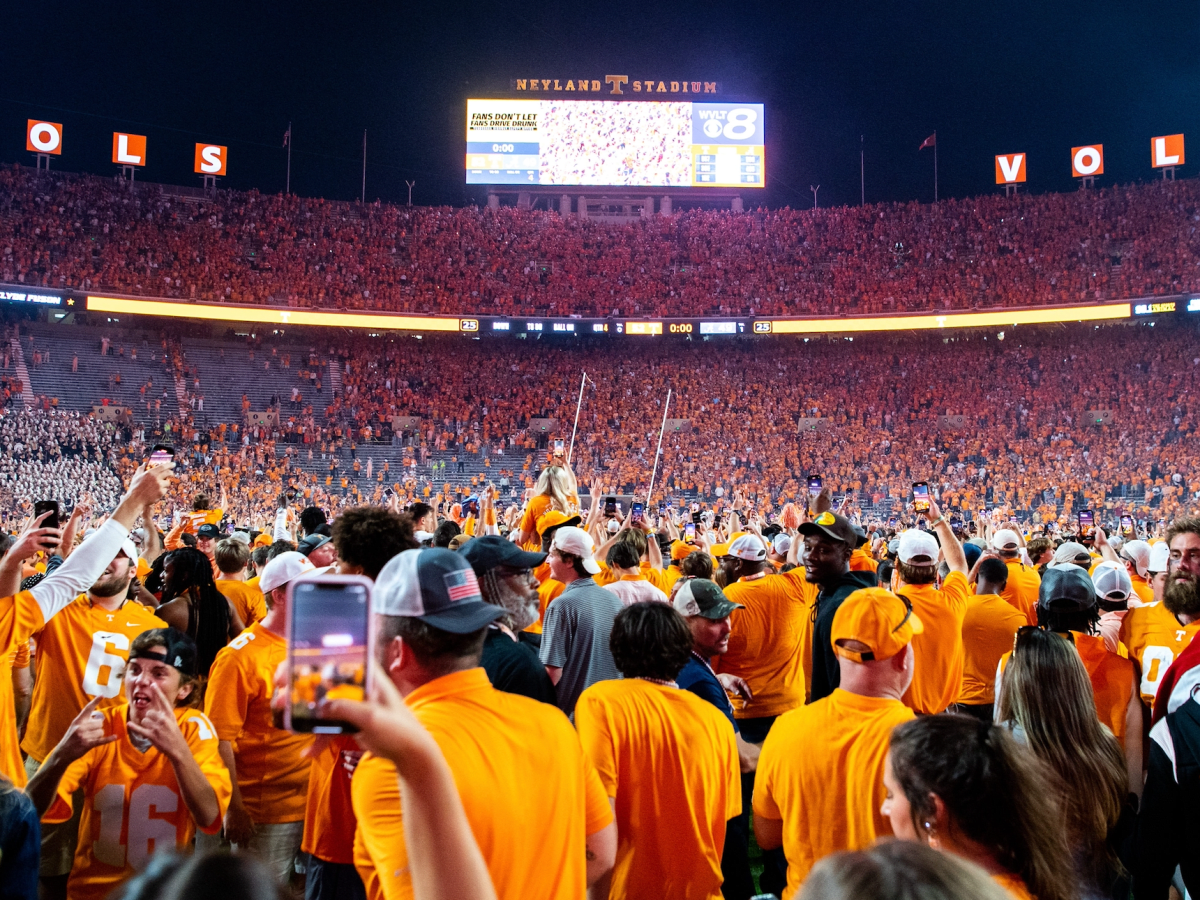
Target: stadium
x=454 y=535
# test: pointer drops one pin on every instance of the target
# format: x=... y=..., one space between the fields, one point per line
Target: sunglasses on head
x=907 y=615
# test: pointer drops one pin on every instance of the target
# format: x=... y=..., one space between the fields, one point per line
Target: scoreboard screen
x=612 y=143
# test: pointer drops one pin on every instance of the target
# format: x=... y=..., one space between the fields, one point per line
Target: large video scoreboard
x=659 y=144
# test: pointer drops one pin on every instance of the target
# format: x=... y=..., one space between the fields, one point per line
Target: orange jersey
x=192 y=521
x=20 y=616
x=329 y=822
x=82 y=653
x=861 y=561
x=1021 y=589
x=530 y=794
x=938 y=650
x=1154 y=638
x=766 y=642
x=1113 y=678
x=669 y=761
x=988 y=630
x=133 y=806
x=247 y=599
x=272 y=772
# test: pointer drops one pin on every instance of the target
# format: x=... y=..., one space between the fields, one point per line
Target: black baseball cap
x=311 y=542
x=487 y=552
x=832 y=526
x=208 y=531
x=1066 y=589
x=179 y=650
x=701 y=597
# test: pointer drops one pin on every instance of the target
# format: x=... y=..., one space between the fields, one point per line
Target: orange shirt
x=1014 y=884
x=938 y=650
x=1142 y=588
x=1113 y=678
x=247 y=599
x=821 y=774
x=20 y=617
x=272 y=772
x=133 y=807
x=548 y=590
x=1021 y=589
x=861 y=561
x=192 y=521
x=1154 y=638
x=988 y=630
x=530 y=794
x=82 y=653
x=329 y=822
x=766 y=642
x=669 y=760
x=536 y=508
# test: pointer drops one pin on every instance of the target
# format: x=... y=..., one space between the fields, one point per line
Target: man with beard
x=1181 y=597
x=82 y=653
x=505 y=575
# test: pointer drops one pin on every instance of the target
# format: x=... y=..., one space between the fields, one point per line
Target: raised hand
x=85 y=732
x=34 y=538
x=159 y=726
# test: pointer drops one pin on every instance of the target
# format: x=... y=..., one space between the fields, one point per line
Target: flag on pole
x=930 y=141
x=287 y=135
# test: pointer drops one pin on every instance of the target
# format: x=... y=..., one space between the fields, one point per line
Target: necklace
x=658 y=681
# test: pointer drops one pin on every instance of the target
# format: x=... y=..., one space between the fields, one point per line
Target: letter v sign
x=1010 y=169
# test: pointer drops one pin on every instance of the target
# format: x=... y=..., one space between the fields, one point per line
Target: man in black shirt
x=505 y=574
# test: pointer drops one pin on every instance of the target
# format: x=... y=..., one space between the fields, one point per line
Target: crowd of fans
x=96 y=234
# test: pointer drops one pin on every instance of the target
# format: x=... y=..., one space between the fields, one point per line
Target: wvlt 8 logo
x=737 y=124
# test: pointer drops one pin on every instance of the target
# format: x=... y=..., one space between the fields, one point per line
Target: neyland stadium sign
x=611 y=84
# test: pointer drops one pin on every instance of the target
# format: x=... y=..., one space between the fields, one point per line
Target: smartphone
x=610 y=506
x=558 y=447
x=815 y=483
x=1087 y=523
x=50 y=506
x=695 y=518
x=689 y=532
x=661 y=510
x=329 y=641
x=161 y=454
x=637 y=513
x=1127 y=526
x=920 y=496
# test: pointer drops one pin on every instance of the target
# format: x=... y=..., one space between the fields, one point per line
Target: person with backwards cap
x=505 y=575
x=269 y=766
x=575 y=648
x=1114 y=594
x=149 y=767
x=1021 y=586
x=707 y=610
x=820 y=775
x=530 y=794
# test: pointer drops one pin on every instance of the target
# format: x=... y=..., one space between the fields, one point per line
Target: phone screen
x=695 y=518
x=610 y=506
x=1087 y=523
x=328 y=645
x=50 y=506
x=161 y=454
x=689 y=532
x=920 y=496
x=636 y=513
x=1127 y=526
x=814 y=484
x=558 y=446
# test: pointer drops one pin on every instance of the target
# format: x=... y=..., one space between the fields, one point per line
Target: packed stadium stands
x=103 y=235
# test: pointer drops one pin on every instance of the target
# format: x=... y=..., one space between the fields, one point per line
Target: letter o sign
x=1087 y=160
x=43 y=137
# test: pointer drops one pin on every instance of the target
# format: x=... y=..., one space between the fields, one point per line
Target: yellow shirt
x=20 y=617
x=272 y=770
x=1154 y=638
x=669 y=760
x=1021 y=589
x=766 y=642
x=247 y=599
x=82 y=653
x=988 y=630
x=133 y=806
x=938 y=650
x=530 y=794
x=821 y=774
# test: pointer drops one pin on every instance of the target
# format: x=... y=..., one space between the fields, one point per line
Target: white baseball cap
x=283 y=569
x=577 y=542
x=130 y=550
x=1006 y=539
x=1112 y=581
x=748 y=547
x=1138 y=553
x=915 y=545
x=1160 y=558
x=782 y=544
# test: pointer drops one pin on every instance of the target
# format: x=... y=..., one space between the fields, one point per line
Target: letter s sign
x=211 y=159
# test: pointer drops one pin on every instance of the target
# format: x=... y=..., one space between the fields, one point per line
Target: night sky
x=1022 y=76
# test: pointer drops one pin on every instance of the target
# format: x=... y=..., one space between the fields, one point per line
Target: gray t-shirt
x=575 y=639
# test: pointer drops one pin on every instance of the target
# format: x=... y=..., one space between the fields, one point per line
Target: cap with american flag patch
x=436 y=586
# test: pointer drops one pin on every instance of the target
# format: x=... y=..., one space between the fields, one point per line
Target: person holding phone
x=269 y=768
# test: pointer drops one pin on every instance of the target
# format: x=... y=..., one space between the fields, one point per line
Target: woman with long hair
x=1046 y=699
x=556 y=489
x=968 y=788
x=192 y=603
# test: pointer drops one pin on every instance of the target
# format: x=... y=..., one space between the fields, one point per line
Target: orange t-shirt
x=1113 y=678
x=530 y=794
x=861 y=561
x=988 y=630
x=20 y=616
x=1142 y=588
x=133 y=806
x=548 y=590
x=669 y=760
x=1014 y=885
x=1154 y=638
x=193 y=521
x=272 y=772
x=536 y=508
x=82 y=653
x=938 y=650
x=766 y=642
x=247 y=599
x=1021 y=589
x=329 y=822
